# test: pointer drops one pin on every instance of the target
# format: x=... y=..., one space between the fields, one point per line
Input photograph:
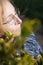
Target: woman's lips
x=3 y=36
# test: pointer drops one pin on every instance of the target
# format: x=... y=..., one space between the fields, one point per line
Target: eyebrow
x=16 y=8
x=14 y=5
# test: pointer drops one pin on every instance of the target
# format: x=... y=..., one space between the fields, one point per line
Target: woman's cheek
x=13 y=29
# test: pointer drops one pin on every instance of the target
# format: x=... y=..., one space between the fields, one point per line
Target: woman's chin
x=16 y=34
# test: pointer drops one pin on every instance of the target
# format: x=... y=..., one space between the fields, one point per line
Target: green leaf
x=9 y=35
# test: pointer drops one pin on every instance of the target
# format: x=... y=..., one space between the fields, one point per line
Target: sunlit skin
x=11 y=21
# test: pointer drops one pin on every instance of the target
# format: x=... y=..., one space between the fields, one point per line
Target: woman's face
x=11 y=22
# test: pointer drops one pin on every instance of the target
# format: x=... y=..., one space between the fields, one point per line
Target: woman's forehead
x=10 y=9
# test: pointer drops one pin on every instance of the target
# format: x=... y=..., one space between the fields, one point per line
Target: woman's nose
x=18 y=20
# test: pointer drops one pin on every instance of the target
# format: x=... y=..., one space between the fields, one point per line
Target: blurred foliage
x=29 y=26
x=30 y=8
x=9 y=47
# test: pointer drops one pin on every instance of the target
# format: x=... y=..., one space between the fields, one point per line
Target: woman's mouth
x=3 y=36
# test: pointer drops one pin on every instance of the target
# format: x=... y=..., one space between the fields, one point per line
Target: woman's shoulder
x=31 y=45
x=31 y=37
x=32 y=40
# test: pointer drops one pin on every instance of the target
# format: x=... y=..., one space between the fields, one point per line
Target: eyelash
x=10 y=19
x=8 y=22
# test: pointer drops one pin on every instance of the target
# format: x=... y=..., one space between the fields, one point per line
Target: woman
x=10 y=21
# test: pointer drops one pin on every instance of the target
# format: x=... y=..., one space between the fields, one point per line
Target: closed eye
x=9 y=19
